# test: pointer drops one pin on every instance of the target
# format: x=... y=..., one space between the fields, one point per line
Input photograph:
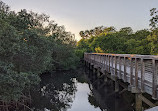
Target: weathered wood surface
x=140 y=71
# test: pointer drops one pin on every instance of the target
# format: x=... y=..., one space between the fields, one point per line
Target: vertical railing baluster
x=142 y=74
x=131 y=71
x=115 y=66
x=112 y=61
x=109 y=63
x=154 y=82
x=120 y=67
x=106 y=62
x=99 y=59
x=136 y=73
x=102 y=60
x=94 y=58
x=125 y=74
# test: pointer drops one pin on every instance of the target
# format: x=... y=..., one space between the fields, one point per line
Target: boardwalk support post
x=98 y=72
x=138 y=101
x=116 y=85
x=116 y=78
x=105 y=78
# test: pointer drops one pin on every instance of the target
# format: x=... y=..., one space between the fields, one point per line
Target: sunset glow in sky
x=77 y=15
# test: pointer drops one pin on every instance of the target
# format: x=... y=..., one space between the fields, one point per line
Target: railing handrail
x=128 y=55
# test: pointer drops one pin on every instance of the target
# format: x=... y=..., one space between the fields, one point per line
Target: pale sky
x=77 y=15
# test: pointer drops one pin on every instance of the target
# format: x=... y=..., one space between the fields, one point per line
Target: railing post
x=109 y=63
x=90 y=58
x=131 y=71
x=99 y=60
x=136 y=73
x=106 y=62
x=142 y=74
x=120 y=67
x=102 y=65
x=94 y=58
x=116 y=78
x=154 y=82
x=112 y=62
x=115 y=66
x=125 y=74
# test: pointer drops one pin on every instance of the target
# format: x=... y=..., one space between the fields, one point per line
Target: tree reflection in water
x=106 y=99
x=55 y=92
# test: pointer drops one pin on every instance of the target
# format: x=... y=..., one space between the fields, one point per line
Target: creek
x=73 y=91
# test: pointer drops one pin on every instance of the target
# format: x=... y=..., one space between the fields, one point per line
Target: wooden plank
x=138 y=102
x=145 y=100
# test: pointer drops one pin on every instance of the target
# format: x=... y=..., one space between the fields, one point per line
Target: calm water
x=72 y=91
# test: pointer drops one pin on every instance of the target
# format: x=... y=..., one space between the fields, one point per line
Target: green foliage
x=96 y=31
x=80 y=53
x=123 y=41
x=154 y=19
x=126 y=30
x=30 y=44
x=153 y=38
x=98 y=50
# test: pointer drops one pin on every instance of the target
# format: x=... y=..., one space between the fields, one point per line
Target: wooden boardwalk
x=140 y=71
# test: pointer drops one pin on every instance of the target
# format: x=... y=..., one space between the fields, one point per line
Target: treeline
x=125 y=41
x=30 y=44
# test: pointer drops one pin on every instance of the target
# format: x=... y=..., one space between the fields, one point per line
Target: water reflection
x=106 y=99
x=73 y=91
x=55 y=93
x=81 y=102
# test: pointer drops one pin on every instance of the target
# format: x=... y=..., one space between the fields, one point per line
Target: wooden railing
x=140 y=71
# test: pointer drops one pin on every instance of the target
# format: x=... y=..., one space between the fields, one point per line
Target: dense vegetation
x=30 y=44
x=108 y=40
